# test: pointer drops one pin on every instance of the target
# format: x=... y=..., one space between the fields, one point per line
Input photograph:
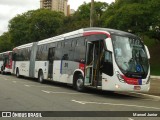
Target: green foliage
x=81 y=18
x=5 y=43
x=34 y=26
x=149 y=41
x=155 y=69
x=135 y=15
x=45 y=24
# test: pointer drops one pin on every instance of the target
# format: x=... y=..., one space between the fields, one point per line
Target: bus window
x=74 y=43
x=79 y=54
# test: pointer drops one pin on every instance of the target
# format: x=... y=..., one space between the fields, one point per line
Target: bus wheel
x=2 y=70
x=80 y=83
x=40 y=76
x=17 y=73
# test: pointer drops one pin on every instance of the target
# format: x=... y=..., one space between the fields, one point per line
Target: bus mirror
x=147 y=52
x=109 y=44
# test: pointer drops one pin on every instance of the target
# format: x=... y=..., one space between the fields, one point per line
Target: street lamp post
x=92 y=13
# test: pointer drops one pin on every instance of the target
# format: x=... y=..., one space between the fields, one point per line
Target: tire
x=80 y=83
x=2 y=70
x=17 y=73
x=40 y=76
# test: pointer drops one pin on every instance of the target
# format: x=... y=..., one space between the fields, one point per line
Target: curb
x=155 y=77
x=141 y=95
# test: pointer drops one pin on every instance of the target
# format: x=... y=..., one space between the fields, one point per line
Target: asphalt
x=26 y=94
x=155 y=86
x=154 y=91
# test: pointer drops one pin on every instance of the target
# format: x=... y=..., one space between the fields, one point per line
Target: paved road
x=23 y=94
x=155 y=87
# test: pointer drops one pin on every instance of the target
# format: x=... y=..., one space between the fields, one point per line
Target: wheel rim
x=79 y=83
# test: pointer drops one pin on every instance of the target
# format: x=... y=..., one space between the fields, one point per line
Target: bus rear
x=6 y=62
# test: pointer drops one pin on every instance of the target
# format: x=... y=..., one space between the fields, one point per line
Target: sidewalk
x=155 y=77
x=155 y=86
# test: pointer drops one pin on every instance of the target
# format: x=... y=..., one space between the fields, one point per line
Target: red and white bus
x=6 y=62
x=101 y=58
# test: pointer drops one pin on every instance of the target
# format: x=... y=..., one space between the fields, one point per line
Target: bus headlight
x=119 y=76
x=117 y=86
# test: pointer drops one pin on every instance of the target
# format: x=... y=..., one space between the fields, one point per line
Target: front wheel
x=41 y=77
x=80 y=83
x=2 y=70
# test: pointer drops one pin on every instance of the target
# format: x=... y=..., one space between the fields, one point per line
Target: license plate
x=137 y=87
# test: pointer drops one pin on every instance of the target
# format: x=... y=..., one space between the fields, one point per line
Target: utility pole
x=92 y=13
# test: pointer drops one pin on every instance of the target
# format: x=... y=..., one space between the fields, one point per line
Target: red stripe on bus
x=131 y=81
x=81 y=66
x=96 y=33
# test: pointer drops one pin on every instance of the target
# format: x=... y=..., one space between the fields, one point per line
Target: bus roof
x=110 y=31
x=23 y=46
x=77 y=33
x=6 y=52
x=81 y=32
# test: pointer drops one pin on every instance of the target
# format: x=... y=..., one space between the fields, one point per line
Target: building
x=70 y=11
x=55 y=5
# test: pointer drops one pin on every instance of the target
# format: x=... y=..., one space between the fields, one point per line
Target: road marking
x=60 y=92
x=27 y=85
x=34 y=85
x=130 y=119
x=113 y=104
x=21 y=82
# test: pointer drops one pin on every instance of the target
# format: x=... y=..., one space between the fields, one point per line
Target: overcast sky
x=10 y=8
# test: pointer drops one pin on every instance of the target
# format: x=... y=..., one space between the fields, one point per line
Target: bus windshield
x=130 y=56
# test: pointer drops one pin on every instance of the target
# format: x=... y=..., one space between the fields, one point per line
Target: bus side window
x=66 y=50
x=74 y=43
x=14 y=56
x=58 y=51
x=79 y=54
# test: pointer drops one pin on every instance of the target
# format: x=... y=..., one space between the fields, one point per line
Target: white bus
x=6 y=65
x=101 y=58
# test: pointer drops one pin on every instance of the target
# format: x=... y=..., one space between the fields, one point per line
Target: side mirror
x=109 y=46
x=146 y=48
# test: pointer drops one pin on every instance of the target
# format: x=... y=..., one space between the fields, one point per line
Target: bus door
x=89 y=63
x=94 y=57
x=51 y=54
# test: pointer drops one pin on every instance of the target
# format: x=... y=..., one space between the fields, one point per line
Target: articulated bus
x=101 y=58
x=6 y=62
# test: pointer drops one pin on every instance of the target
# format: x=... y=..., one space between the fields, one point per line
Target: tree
x=34 y=25
x=135 y=15
x=155 y=19
x=5 y=43
x=81 y=18
x=45 y=24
